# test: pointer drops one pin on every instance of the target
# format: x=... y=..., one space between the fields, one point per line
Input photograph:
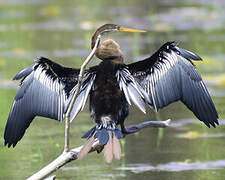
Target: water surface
x=61 y=30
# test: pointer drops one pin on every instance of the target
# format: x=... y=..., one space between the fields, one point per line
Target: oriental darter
x=169 y=75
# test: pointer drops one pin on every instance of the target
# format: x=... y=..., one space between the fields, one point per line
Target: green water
x=61 y=30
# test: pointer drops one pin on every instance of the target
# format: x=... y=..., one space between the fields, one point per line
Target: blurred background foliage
x=61 y=31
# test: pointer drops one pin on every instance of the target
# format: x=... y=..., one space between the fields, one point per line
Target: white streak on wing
x=120 y=85
x=135 y=99
x=56 y=86
x=153 y=88
x=160 y=72
x=164 y=69
x=157 y=74
x=169 y=62
x=135 y=86
x=205 y=89
x=64 y=104
x=77 y=105
x=161 y=69
x=60 y=104
x=148 y=86
x=126 y=83
x=133 y=82
x=124 y=88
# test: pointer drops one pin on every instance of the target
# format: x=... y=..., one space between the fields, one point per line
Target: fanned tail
x=108 y=149
x=86 y=148
x=108 y=135
x=112 y=148
x=116 y=148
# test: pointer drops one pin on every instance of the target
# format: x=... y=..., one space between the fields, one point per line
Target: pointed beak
x=130 y=30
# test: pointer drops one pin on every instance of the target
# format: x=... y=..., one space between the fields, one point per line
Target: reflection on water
x=174 y=166
x=61 y=30
x=171 y=167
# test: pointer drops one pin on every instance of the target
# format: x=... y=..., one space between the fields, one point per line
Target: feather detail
x=46 y=90
x=86 y=148
x=116 y=148
x=108 y=150
x=132 y=91
x=170 y=75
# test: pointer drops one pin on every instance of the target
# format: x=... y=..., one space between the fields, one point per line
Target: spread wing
x=169 y=75
x=45 y=90
x=132 y=90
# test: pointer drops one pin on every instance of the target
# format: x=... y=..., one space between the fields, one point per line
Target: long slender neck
x=103 y=29
x=94 y=38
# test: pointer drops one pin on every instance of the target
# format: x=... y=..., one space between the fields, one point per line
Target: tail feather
x=86 y=148
x=108 y=136
x=116 y=148
x=108 y=149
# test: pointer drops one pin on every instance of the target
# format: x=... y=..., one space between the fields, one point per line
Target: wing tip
x=25 y=72
x=39 y=58
x=16 y=77
x=9 y=144
x=189 y=55
x=183 y=52
x=213 y=123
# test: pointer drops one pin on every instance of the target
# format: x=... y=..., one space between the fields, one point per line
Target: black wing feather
x=169 y=75
x=45 y=90
x=24 y=73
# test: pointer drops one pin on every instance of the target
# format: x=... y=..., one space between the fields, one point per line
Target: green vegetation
x=61 y=30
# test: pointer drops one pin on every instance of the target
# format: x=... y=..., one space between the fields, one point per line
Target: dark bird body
x=106 y=97
x=168 y=75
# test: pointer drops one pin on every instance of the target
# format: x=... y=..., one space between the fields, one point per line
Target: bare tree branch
x=71 y=155
x=135 y=128
x=80 y=77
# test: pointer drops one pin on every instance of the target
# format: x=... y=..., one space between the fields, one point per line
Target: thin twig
x=71 y=155
x=135 y=128
x=80 y=77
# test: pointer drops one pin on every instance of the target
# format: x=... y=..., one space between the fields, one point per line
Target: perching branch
x=80 y=77
x=71 y=155
x=157 y=124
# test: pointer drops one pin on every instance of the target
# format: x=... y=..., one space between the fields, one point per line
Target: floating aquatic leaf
x=19 y=51
x=51 y=11
x=187 y=160
x=222 y=79
x=192 y=134
x=2 y=63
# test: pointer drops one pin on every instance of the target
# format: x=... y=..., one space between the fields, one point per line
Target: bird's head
x=109 y=28
x=109 y=48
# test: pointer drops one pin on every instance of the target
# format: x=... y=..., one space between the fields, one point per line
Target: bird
x=169 y=75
